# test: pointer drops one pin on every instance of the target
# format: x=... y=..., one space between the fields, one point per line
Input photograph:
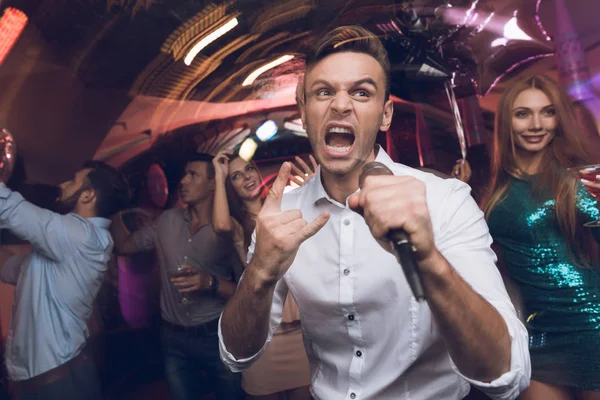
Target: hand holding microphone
x=395 y=209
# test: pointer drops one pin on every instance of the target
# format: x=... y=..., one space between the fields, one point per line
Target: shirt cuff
x=4 y=191
x=234 y=364
x=510 y=384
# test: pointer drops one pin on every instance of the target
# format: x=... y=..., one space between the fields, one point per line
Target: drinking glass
x=589 y=173
x=184 y=298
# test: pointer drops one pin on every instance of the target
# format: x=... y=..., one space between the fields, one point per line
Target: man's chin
x=340 y=167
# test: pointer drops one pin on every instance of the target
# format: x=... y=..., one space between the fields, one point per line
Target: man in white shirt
x=366 y=336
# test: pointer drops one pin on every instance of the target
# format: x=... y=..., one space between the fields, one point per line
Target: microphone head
x=373 y=168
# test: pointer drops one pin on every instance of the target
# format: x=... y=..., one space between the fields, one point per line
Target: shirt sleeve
x=54 y=235
x=144 y=238
x=279 y=296
x=12 y=269
x=464 y=239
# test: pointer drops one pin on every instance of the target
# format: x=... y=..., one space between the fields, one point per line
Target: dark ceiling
x=138 y=46
x=119 y=50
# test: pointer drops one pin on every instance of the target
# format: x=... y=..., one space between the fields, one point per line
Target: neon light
x=538 y=21
x=513 y=32
x=208 y=39
x=267 y=130
x=12 y=23
x=247 y=149
x=513 y=67
x=259 y=71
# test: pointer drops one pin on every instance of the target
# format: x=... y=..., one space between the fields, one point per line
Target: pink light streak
x=513 y=67
x=538 y=21
x=12 y=23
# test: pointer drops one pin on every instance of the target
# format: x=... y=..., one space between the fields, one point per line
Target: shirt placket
x=348 y=280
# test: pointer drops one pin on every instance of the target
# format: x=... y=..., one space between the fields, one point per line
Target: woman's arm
x=221 y=216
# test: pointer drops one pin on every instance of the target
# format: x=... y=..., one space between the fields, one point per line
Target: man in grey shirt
x=197 y=266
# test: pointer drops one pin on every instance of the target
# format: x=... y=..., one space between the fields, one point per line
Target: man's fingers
x=288 y=216
x=182 y=283
x=354 y=203
x=296 y=180
x=273 y=201
x=313 y=227
x=293 y=227
x=307 y=169
x=313 y=162
x=189 y=289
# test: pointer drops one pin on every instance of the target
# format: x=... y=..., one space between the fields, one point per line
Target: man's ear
x=388 y=113
x=302 y=109
x=87 y=196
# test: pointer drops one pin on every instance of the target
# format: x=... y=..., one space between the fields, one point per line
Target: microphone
x=399 y=238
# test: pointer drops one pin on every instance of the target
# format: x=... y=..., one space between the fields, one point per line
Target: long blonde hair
x=566 y=150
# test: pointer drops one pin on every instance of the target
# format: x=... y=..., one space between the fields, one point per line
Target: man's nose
x=342 y=104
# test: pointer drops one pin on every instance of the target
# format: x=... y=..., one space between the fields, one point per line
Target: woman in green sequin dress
x=536 y=211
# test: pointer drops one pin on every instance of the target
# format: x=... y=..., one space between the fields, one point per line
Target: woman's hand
x=221 y=164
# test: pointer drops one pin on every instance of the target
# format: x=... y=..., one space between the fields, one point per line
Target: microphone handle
x=406 y=258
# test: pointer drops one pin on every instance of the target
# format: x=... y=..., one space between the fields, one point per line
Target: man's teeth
x=337 y=129
x=339 y=149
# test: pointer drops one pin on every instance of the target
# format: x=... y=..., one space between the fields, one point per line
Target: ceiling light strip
x=259 y=71
x=208 y=39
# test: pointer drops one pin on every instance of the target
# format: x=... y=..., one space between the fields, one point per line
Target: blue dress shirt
x=56 y=283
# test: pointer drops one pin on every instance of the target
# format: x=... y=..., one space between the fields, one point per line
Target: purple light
x=538 y=21
x=513 y=67
x=469 y=12
x=396 y=27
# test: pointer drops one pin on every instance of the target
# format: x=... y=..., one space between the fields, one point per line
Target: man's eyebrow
x=320 y=82
x=369 y=81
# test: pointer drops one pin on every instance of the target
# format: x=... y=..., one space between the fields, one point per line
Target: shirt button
x=190 y=240
x=352 y=395
x=358 y=353
x=351 y=317
x=185 y=257
x=346 y=272
x=346 y=221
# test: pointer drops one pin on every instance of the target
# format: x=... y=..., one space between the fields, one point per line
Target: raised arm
x=222 y=220
x=50 y=233
x=244 y=323
x=131 y=243
x=464 y=290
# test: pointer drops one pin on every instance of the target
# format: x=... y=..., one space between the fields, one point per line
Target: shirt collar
x=100 y=222
x=317 y=192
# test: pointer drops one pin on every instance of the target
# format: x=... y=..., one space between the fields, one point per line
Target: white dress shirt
x=365 y=334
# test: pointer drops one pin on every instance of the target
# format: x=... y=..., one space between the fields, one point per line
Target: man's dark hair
x=203 y=157
x=355 y=39
x=111 y=188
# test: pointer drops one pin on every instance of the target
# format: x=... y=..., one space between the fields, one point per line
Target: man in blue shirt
x=57 y=282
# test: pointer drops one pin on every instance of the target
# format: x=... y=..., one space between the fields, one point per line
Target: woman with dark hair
x=282 y=371
x=536 y=210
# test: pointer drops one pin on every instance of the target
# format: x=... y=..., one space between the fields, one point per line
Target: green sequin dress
x=561 y=299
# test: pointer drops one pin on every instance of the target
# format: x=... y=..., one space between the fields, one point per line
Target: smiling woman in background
x=536 y=211
x=282 y=371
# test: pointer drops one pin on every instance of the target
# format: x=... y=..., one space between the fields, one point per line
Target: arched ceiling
x=135 y=50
